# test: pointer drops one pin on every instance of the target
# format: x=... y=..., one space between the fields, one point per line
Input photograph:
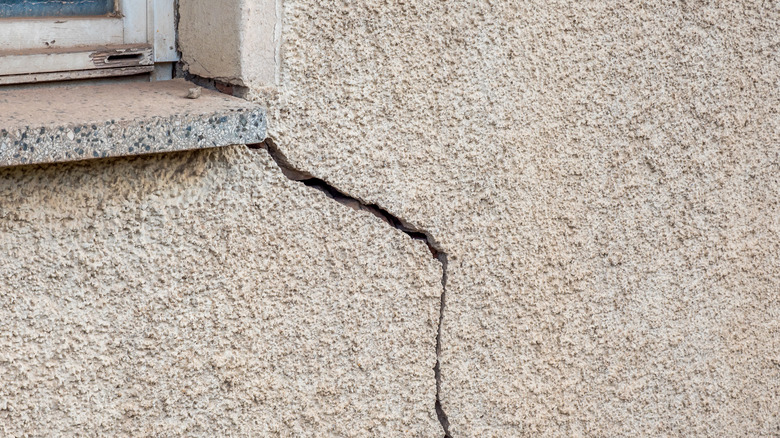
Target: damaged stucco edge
x=212 y=49
x=402 y=225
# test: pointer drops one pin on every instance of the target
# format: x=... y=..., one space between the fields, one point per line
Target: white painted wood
x=164 y=31
x=19 y=64
x=128 y=27
x=163 y=71
x=136 y=22
x=75 y=75
x=47 y=48
x=58 y=61
x=17 y=35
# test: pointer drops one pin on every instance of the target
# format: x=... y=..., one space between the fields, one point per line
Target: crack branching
x=311 y=181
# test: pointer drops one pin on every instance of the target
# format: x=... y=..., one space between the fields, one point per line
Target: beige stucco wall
x=602 y=177
x=204 y=294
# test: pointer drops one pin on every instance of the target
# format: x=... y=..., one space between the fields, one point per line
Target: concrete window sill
x=46 y=125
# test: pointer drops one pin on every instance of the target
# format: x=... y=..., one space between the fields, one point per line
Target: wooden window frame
x=138 y=39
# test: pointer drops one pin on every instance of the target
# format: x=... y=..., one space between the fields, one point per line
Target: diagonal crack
x=415 y=233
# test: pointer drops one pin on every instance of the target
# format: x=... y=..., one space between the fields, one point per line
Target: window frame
x=131 y=41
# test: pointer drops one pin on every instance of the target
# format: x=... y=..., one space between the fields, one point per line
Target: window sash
x=55 y=8
x=20 y=35
x=52 y=45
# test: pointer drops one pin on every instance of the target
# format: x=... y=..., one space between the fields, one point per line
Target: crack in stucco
x=414 y=232
x=442 y=416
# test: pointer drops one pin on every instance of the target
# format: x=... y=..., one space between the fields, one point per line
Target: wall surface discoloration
x=603 y=177
x=204 y=294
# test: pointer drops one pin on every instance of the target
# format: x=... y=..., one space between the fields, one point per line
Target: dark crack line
x=311 y=181
x=445 y=422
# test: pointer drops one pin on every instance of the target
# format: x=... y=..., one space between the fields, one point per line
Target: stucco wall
x=604 y=179
x=204 y=294
x=601 y=177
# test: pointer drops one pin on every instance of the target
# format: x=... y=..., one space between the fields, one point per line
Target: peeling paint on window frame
x=44 y=49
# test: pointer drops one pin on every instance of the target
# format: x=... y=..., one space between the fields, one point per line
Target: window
x=59 y=40
x=55 y=40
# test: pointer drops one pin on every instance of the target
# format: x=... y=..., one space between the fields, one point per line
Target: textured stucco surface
x=204 y=294
x=604 y=179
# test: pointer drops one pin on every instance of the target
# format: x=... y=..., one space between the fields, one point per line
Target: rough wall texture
x=604 y=178
x=204 y=294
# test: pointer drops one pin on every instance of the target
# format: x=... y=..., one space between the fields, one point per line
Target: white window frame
x=132 y=41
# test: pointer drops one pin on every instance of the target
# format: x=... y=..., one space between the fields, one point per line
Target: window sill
x=71 y=123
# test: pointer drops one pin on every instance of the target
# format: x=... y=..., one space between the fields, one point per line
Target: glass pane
x=54 y=8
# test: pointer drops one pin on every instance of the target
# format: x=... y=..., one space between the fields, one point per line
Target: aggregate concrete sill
x=70 y=123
